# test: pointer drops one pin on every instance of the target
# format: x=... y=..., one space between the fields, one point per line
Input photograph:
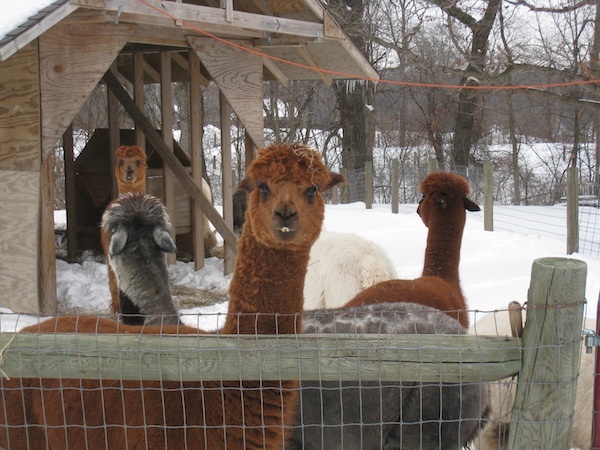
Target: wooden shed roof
x=296 y=38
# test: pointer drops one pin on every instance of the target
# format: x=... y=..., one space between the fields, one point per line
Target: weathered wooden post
x=542 y=414
x=395 y=184
x=369 y=184
x=488 y=196
x=433 y=165
x=572 y=210
x=344 y=188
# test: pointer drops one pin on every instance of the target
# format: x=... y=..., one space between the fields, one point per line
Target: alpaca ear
x=470 y=205
x=335 y=179
x=117 y=242
x=163 y=239
x=246 y=185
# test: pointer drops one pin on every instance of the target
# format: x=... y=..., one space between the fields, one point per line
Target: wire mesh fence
x=396 y=376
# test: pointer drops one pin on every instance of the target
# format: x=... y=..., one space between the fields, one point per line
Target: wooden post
x=226 y=166
x=545 y=396
x=138 y=94
x=166 y=107
x=114 y=135
x=344 y=189
x=70 y=202
x=369 y=184
x=395 y=185
x=488 y=196
x=197 y=156
x=572 y=210
x=433 y=165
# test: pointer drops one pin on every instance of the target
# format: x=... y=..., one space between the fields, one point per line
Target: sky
x=495 y=267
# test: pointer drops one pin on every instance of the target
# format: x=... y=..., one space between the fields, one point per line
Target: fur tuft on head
x=446 y=186
x=131 y=151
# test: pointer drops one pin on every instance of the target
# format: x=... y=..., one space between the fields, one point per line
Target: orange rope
x=360 y=77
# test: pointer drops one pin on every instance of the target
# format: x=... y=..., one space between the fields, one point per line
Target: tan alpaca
x=283 y=220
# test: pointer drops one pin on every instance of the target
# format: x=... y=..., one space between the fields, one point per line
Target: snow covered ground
x=495 y=266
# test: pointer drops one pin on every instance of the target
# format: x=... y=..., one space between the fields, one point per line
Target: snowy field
x=495 y=266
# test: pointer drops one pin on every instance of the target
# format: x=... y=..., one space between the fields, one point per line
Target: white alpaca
x=342 y=265
x=495 y=435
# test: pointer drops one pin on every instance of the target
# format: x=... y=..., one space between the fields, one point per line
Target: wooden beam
x=302 y=51
x=242 y=88
x=212 y=19
x=73 y=59
x=226 y=166
x=166 y=108
x=425 y=358
x=138 y=94
x=47 y=253
x=114 y=134
x=275 y=71
x=196 y=153
x=70 y=199
x=170 y=160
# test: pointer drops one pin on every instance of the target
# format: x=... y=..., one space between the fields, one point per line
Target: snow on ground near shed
x=495 y=267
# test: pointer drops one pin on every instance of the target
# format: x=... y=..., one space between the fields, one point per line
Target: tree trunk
x=515 y=151
x=468 y=99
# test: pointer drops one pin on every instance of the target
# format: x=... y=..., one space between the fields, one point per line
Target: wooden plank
x=73 y=59
x=395 y=185
x=275 y=71
x=19 y=280
x=226 y=176
x=70 y=199
x=197 y=155
x=20 y=112
x=166 y=108
x=344 y=357
x=138 y=94
x=242 y=88
x=310 y=60
x=545 y=395
x=114 y=134
x=23 y=39
x=48 y=303
x=169 y=158
x=212 y=19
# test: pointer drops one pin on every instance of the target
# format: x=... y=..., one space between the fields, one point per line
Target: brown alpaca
x=130 y=173
x=443 y=211
x=283 y=220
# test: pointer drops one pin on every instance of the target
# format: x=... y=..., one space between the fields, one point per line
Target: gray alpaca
x=387 y=415
x=138 y=226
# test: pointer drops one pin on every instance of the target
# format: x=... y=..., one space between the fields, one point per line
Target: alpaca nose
x=285 y=213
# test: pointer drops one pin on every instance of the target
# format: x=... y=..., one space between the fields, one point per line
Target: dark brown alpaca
x=443 y=210
x=283 y=220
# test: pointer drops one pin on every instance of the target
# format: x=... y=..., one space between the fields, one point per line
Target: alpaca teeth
x=285 y=230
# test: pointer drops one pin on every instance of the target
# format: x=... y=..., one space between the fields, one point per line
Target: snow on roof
x=18 y=13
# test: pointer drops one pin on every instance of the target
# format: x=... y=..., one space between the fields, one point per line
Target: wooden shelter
x=51 y=63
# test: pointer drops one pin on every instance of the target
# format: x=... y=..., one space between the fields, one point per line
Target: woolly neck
x=266 y=294
x=442 y=255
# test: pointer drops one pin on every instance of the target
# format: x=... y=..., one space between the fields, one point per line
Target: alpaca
x=139 y=227
x=341 y=264
x=284 y=218
x=389 y=415
x=442 y=210
x=495 y=434
x=130 y=173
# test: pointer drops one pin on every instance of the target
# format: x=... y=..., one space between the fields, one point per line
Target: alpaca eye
x=264 y=189
x=311 y=193
x=138 y=163
x=121 y=162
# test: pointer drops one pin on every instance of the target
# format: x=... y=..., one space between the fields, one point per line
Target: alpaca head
x=138 y=226
x=444 y=194
x=285 y=205
x=130 y=169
